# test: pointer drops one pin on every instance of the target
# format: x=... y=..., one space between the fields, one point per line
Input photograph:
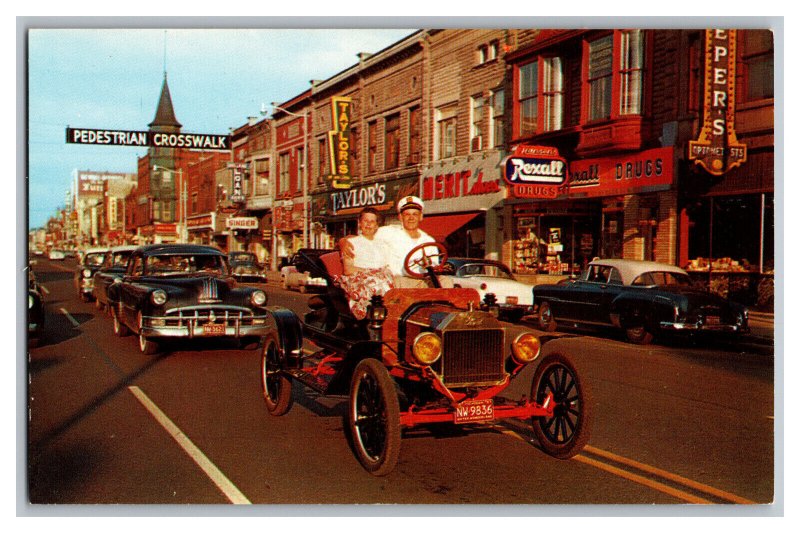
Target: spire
x=165 y=114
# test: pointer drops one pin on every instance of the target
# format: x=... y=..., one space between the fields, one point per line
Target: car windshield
x=120 y=259
x=167 y=265
x=479 y=269
x=662 y=279
x=94 y=259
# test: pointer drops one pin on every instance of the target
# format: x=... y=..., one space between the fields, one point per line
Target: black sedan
x=643 y=298
x=184 y=291
x=113 y=267
x=35 y=308
x=90 y=263
x=246 y=268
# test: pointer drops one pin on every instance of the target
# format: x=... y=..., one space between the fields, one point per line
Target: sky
x=111 y=79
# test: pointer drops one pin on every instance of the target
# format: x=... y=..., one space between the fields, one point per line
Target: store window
x=262 y=177
x=498 y=121
x=758 y=55
x=737 y=233
x=631 y=72
x=476 y=124
x=619 y=79
x=600 y=77
x=392 y=141
x=553 y=93
x=414 y=135
x=528 y=98
x=372 y=140
x=541 y=96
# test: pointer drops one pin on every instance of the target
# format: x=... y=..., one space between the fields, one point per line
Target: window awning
x=441 y=226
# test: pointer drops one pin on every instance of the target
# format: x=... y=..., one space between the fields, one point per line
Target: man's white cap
x=409 y=202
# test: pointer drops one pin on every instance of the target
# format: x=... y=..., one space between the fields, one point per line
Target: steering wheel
x=429 y=252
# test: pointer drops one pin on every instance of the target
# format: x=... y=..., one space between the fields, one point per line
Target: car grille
x=229 y=315
x=472 y=357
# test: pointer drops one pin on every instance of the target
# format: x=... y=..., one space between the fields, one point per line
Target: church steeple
x=165 y=114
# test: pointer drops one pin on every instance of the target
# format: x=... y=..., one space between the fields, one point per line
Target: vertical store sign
x=339 y=142
x=717 y=150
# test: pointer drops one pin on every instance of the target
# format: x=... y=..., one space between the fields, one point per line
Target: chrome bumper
x=189 y=327
x=699 y=326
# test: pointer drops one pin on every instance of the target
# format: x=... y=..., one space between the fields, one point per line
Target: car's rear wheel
x=146 y=345
x=547 y=321
x=275 y=386
x=120 y=329
x=639 y=335
x=374 y=417
x=565 y=433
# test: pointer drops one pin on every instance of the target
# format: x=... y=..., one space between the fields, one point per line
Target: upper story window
x=446 y=132
x=540 y=96
x=414 y=134
x=301 y=162
x=392 y=141
x=487 y=52
x=372 y=150
x=498 y=121
x=758 y=55
x=476 y=124
x=615 y=83
x=283 y=173
x=322 y=161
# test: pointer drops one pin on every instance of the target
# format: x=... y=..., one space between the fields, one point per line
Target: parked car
x=643 y=298
x=420 y=357
x=35 y=307
x=246 y=268
x=296 y=272
x=184 y=291
x=492 y=277
x=113 y=267
x=55 y=255
x=90 y=262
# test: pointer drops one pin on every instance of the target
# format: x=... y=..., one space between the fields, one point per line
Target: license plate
x=213 y=329
x=712 y=321
x=474 y=411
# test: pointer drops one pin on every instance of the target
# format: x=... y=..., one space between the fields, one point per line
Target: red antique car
x=420 y=357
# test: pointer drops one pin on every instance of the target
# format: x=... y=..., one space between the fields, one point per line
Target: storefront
x=463 y=204
x=288 y=218
x=563 y=214
x=336 y=213
x=205 y=229
x=157 y=234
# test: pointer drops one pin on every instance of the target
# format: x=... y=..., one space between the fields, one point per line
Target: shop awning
x=441 y=226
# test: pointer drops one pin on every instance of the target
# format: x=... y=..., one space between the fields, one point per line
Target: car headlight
x=30 y=302
x=87 y=273
x=258 y=298
x=427 y=348
x=526 y=348
x=158 y=297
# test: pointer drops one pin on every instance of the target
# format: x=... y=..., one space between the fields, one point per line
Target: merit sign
x=198 y=141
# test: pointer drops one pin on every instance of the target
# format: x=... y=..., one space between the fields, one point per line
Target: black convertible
x=184 y=291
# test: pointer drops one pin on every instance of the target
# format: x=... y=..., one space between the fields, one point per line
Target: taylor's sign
x=339 y=143
x=198 y=141
x=716 y=149
x=535 y=171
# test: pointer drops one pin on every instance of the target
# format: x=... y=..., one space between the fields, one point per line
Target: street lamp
x=182 y=200
x=304 y=115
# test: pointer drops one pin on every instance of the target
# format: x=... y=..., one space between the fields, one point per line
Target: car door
x=603 y=294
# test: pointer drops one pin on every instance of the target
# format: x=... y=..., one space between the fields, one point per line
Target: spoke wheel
x=565 y=433
x=120 y=329
x=547 y=321
x=374 y=417
x=147 y=346
x=275 y=386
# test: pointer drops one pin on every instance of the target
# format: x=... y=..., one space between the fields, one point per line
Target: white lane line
x=233 y=494
x=69 y=317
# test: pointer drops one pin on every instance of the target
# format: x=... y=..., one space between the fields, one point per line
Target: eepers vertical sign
x=339 y=142
x=716 y=149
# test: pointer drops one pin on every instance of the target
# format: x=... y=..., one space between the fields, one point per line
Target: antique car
x=492 y=277
x=83 y=279
x=295 y=274
x=246 y=268
x=55 y=255
x=35 y=307
x=421 y=357
x=643 y=298
x=113 y=267
x=184 y=291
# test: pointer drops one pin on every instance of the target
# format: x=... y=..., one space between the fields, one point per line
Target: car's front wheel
x=565 y=433
x=146 y=345
x=120 y=329
x=547 y=321
x=374 y=417
x=275 y=386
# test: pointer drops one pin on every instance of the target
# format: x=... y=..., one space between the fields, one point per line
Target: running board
x=308 y=379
